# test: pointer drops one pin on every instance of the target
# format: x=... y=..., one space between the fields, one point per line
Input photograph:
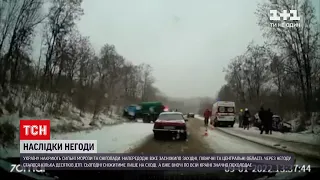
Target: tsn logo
x=17 y=168
x=34 y=129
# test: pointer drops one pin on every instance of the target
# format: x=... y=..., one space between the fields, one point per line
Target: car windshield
x=170 y=117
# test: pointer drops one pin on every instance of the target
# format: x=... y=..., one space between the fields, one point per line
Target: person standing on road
x=246 y=119
x=262 y=117
x=240 y=118
x=207 y=114
x=269 y=121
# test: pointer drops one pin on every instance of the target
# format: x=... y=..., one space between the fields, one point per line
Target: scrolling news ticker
x=102 y=161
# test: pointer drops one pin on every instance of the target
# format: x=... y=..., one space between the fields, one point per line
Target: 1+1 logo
x=292 y=15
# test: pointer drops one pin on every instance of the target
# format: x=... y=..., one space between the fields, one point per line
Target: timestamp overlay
x=268 y=168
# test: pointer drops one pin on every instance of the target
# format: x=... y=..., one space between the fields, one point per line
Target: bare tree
x=147 y=81
x=299 y=44
x=282 y=73
x=25 y=19
x=61 y=19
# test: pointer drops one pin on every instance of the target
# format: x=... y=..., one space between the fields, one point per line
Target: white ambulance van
x=223 y=113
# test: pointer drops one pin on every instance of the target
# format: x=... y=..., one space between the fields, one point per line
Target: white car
x=190 y=115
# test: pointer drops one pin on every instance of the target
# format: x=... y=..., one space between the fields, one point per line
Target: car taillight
x=157 y=125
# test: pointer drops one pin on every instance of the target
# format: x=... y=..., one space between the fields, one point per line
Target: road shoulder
x=299 y=148
x=302 y=149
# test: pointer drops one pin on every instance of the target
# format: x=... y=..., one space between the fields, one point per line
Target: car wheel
x=216 y=124
x=184 y=136
x=155 y=136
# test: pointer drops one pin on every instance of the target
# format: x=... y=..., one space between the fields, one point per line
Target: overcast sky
x=187 y=42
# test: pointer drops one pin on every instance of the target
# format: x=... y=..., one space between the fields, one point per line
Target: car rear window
x=223 y=109
x=276 y=119
x=170 y=117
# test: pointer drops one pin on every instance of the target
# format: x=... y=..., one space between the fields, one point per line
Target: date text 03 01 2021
x=156 y=158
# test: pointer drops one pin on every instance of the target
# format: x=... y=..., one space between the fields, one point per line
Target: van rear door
x=226 y=113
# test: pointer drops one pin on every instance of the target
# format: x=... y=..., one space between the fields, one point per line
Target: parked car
x=131 y=111
x=190 y=115
x=277 y=123
x=170 y=124
x=257 y=121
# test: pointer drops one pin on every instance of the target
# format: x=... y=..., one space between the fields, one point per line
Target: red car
x=170 y=124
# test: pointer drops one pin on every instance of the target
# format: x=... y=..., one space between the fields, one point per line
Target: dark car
x=279 y=125
x=190 y=115
x=170 y=124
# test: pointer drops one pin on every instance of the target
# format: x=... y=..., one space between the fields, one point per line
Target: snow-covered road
x=222 y=142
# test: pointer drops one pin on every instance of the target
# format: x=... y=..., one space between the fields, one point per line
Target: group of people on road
x=266 y=120
x=265 y=116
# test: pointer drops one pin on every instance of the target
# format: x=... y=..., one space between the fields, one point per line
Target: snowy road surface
x=215 y=142
x=303 y=148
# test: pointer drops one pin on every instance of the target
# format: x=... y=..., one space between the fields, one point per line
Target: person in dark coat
x=240 y=118
x=207 y=114
x=269 y=121
x=262 y=117
x=246 y=119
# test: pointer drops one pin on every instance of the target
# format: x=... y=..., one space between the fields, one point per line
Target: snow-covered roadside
x=310 y=138
x=114 y=139
x=60 y=124
x=285 y=144
x=221 y=142
x=289 y=146
x=72 y=122
x=111 y=139
x=26 y=103
x=303 y=137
